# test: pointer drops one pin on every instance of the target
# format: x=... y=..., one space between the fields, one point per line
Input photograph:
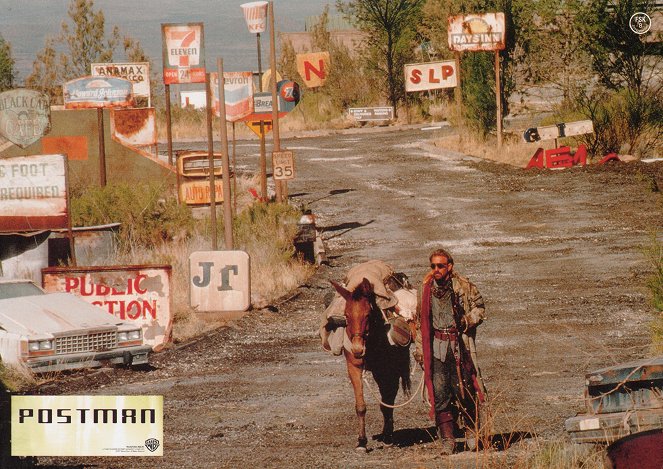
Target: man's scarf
x=425 y=321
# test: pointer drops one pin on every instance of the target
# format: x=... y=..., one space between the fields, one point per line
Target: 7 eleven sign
x=183 y=53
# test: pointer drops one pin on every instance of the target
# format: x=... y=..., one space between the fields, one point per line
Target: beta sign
x=430 y=76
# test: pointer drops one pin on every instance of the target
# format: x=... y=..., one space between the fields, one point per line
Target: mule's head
x=358 y=304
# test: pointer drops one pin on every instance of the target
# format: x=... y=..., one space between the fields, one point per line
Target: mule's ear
x=341 y=291
x=366 y=286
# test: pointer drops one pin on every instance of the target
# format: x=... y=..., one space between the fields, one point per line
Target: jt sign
x=219 y=280
x=430 y=76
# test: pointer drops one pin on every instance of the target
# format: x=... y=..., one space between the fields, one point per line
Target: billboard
x=183 y=53
x=138 y=294
x=238 y=93
x=430 y=76
x=134 y=126
x=33 y=193
x=313 y=68
x=484 y=32
x=96 y=92
x=25 y=116
x=138 y=73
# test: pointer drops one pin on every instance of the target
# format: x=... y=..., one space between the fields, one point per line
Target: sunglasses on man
x=439 y=266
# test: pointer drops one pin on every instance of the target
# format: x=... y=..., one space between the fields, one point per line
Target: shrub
x=149 y=214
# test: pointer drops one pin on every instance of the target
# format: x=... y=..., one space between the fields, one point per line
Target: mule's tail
x=404 y=371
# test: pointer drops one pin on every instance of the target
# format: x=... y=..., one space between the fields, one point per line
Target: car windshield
x=15 y=290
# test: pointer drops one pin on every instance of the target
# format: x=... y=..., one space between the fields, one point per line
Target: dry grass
x=264 y=231
x=513 y=153
x=16 y=377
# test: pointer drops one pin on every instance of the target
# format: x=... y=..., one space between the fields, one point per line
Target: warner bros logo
x=152 y=444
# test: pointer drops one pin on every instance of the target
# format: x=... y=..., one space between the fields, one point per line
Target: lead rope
x=396 y=406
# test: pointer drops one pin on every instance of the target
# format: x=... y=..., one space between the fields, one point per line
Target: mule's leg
x=388 y=386
x=354 y=373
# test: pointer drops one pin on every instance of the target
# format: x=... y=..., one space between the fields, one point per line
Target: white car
x=59 y=331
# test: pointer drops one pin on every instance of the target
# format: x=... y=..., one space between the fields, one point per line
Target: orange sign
x=74 y=147
x=197 y=192
x=255 y=126
x=313 y=68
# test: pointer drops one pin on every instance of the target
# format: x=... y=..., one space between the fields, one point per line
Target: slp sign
x=220 y=281
x=430 y=76
x=183 y=53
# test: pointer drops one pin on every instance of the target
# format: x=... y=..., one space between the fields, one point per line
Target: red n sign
x=313 y=68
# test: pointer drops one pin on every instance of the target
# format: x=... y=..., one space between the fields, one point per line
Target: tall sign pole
x=169 y=131
x=227 y=208
x=498 y=98
x=210 y=159
x=102 y=147
x=279 y=186
x=255 y=15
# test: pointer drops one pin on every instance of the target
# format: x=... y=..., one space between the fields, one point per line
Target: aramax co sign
x=25 y=116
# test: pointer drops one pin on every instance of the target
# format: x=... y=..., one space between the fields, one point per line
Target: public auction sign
x=97 y=92
x=137 y=73
x=33 y=193
x=183 y=53
x=430 y=76
x=484 y=32
x=137 y=294
x=25 y=116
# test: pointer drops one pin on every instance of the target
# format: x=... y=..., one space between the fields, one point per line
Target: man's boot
x=445 y=431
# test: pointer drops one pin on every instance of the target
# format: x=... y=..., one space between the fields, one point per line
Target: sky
x=27 y=23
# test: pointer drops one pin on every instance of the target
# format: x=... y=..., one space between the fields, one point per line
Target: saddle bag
x=399 y=331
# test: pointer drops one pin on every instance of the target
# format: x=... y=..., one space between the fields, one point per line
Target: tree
x=391 y=27
x=7 y=73
x=80 y=43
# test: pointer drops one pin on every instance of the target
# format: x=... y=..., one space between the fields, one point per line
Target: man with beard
x=450 y=309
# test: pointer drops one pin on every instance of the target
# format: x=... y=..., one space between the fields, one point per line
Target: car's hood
x=53 y=313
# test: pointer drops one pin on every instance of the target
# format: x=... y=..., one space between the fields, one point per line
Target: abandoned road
x=556 y=254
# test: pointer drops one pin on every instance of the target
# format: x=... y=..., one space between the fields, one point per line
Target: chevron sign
x=238 y=91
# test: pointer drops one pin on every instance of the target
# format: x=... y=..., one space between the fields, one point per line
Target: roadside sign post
x=98 y=92
x=255 y=15
x=210 y=156
x=480 y=32
x=227 y=209
x=281 y=188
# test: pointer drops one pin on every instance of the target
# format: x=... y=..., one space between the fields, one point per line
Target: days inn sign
x=484 y=32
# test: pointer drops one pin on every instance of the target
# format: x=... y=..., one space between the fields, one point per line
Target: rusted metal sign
x=562 y=129
x=384 y=113
x=197 y=192
x=430 y=76
x=33 y=193
x=183 y=53
x=134 y=293
x=196 y=164
x=97 y=92
x=283 y=164
x=238 y=93
x=313 y=68
x=482 y=32
x=134 y=126
x=137 y=73
x=25 y=116
x=220 y=280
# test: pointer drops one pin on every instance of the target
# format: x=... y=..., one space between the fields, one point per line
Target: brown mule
x=369 y=349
